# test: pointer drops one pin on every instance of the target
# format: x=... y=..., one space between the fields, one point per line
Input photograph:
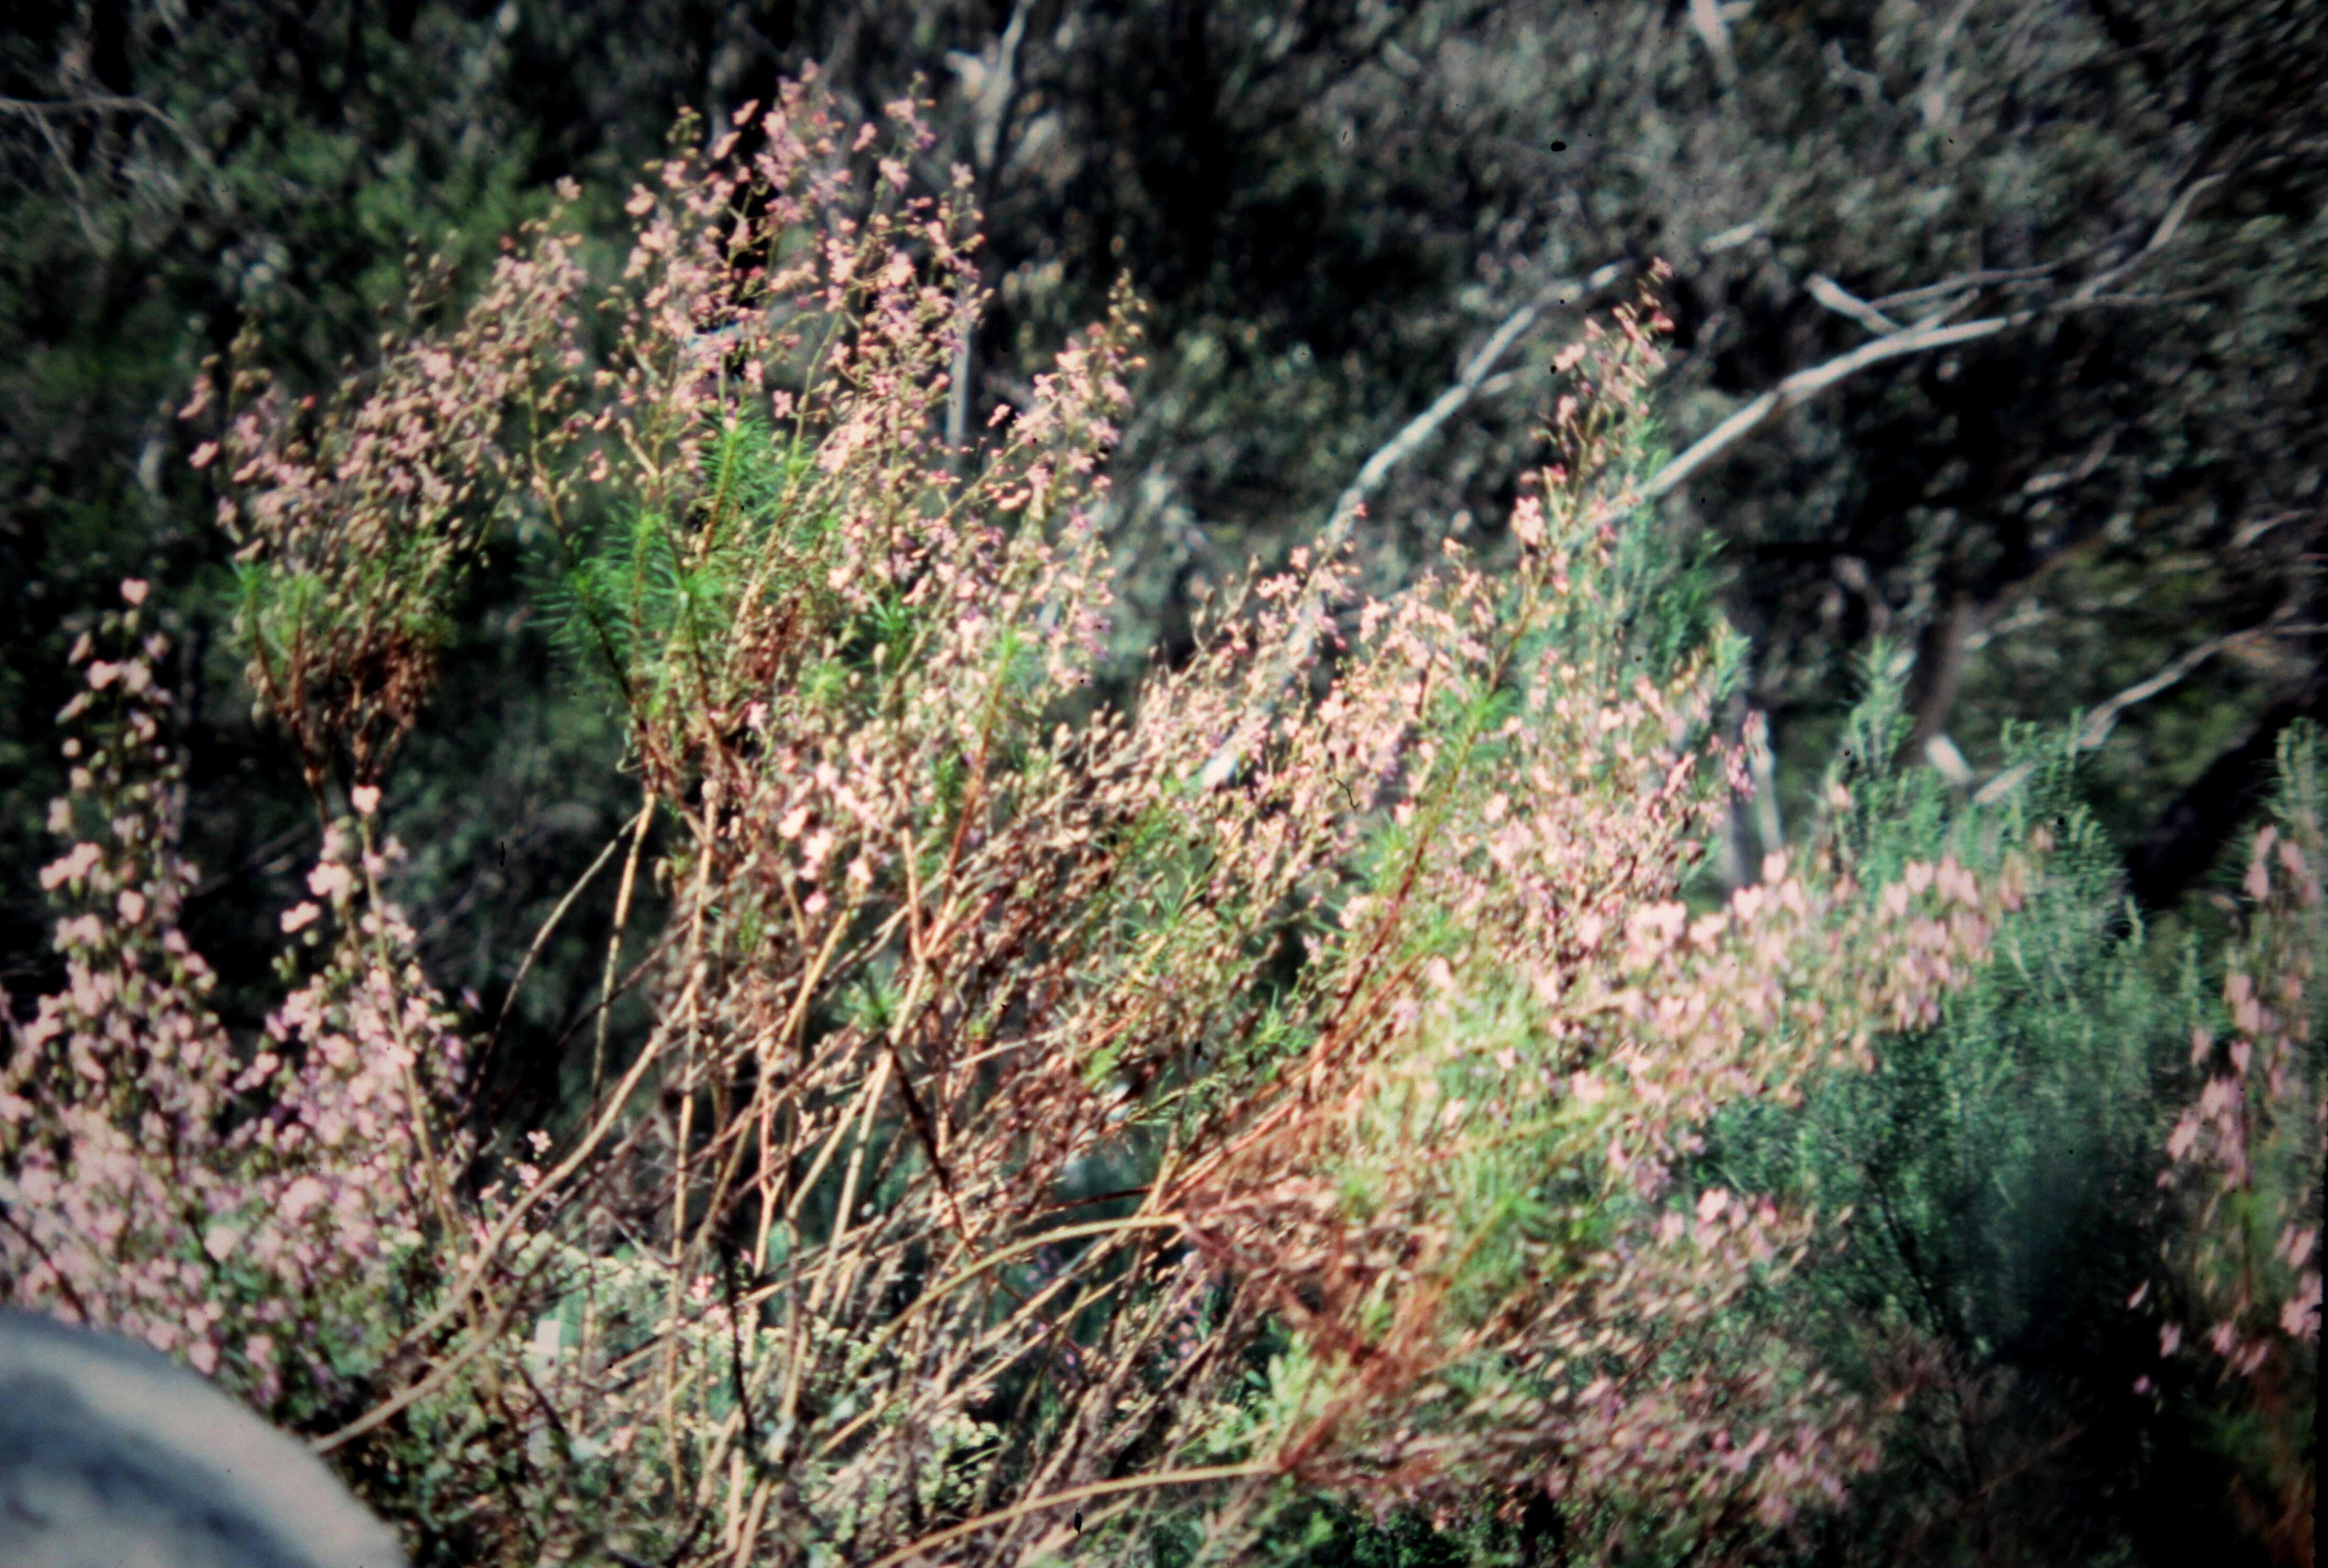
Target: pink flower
x=2300 y=1317
x=72 y=868
x=366 y=798
x=133 y=589
x=299 y=1198
x=299 y=916
x=1527 y=521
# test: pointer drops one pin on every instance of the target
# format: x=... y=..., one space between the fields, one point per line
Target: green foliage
x=1999 y=1170
x=640 y=601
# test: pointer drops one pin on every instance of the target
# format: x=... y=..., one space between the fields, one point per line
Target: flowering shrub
x=228 y=1205
x=356 y=520
x=2245 y=1170
x=1051 y=1124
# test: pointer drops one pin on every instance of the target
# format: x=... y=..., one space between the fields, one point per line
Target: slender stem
x=1004 y=1254
x=1188 y=1477
x=614 y=948
x=541 y=937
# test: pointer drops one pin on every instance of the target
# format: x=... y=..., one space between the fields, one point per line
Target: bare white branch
x=2055 y=479
x=1833 y=296
x=1803 y=385
x=1942 y=754
x=1933 y=100
x=2248 y=532
x=1731 y=238
x=1000 y=80
x=1965 y=283
x=1926 y=334
x=1705 y=16
x=2168 y=226
x=1933 y=332
x=2031 y=614
x=1475 y=370
x=2104 y=717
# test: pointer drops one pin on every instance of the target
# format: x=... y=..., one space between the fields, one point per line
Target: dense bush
x=1049 y=1123
x=2006 y=1167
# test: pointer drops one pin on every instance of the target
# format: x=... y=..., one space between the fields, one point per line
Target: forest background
x=1364 y=233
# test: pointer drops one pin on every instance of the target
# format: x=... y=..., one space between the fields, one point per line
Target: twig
x=2168 y=226
x=541 y=937
x=2104 y=718
x=1713 y=28
x=2061 y=479
x=1196 y=1477
x=996 y=88
x=1377 y=468
x=615 y=947
x=2248 y=532
x=1448 y=403
x=37 y=111
x=488 y=1334
x=491 y=1243
x=1830 y=294
x=2031 y=614
x=1929 y=333
x=258 y=857
x=1803 y=385
x=1965 y=283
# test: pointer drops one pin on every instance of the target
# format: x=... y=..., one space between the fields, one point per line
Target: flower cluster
x=239 y=1206
x=355 y=519
x=2245 y=1167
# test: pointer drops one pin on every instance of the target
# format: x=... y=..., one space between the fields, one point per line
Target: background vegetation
x=1365 y=235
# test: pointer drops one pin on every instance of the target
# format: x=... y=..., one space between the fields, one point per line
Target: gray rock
x=113 y=1456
